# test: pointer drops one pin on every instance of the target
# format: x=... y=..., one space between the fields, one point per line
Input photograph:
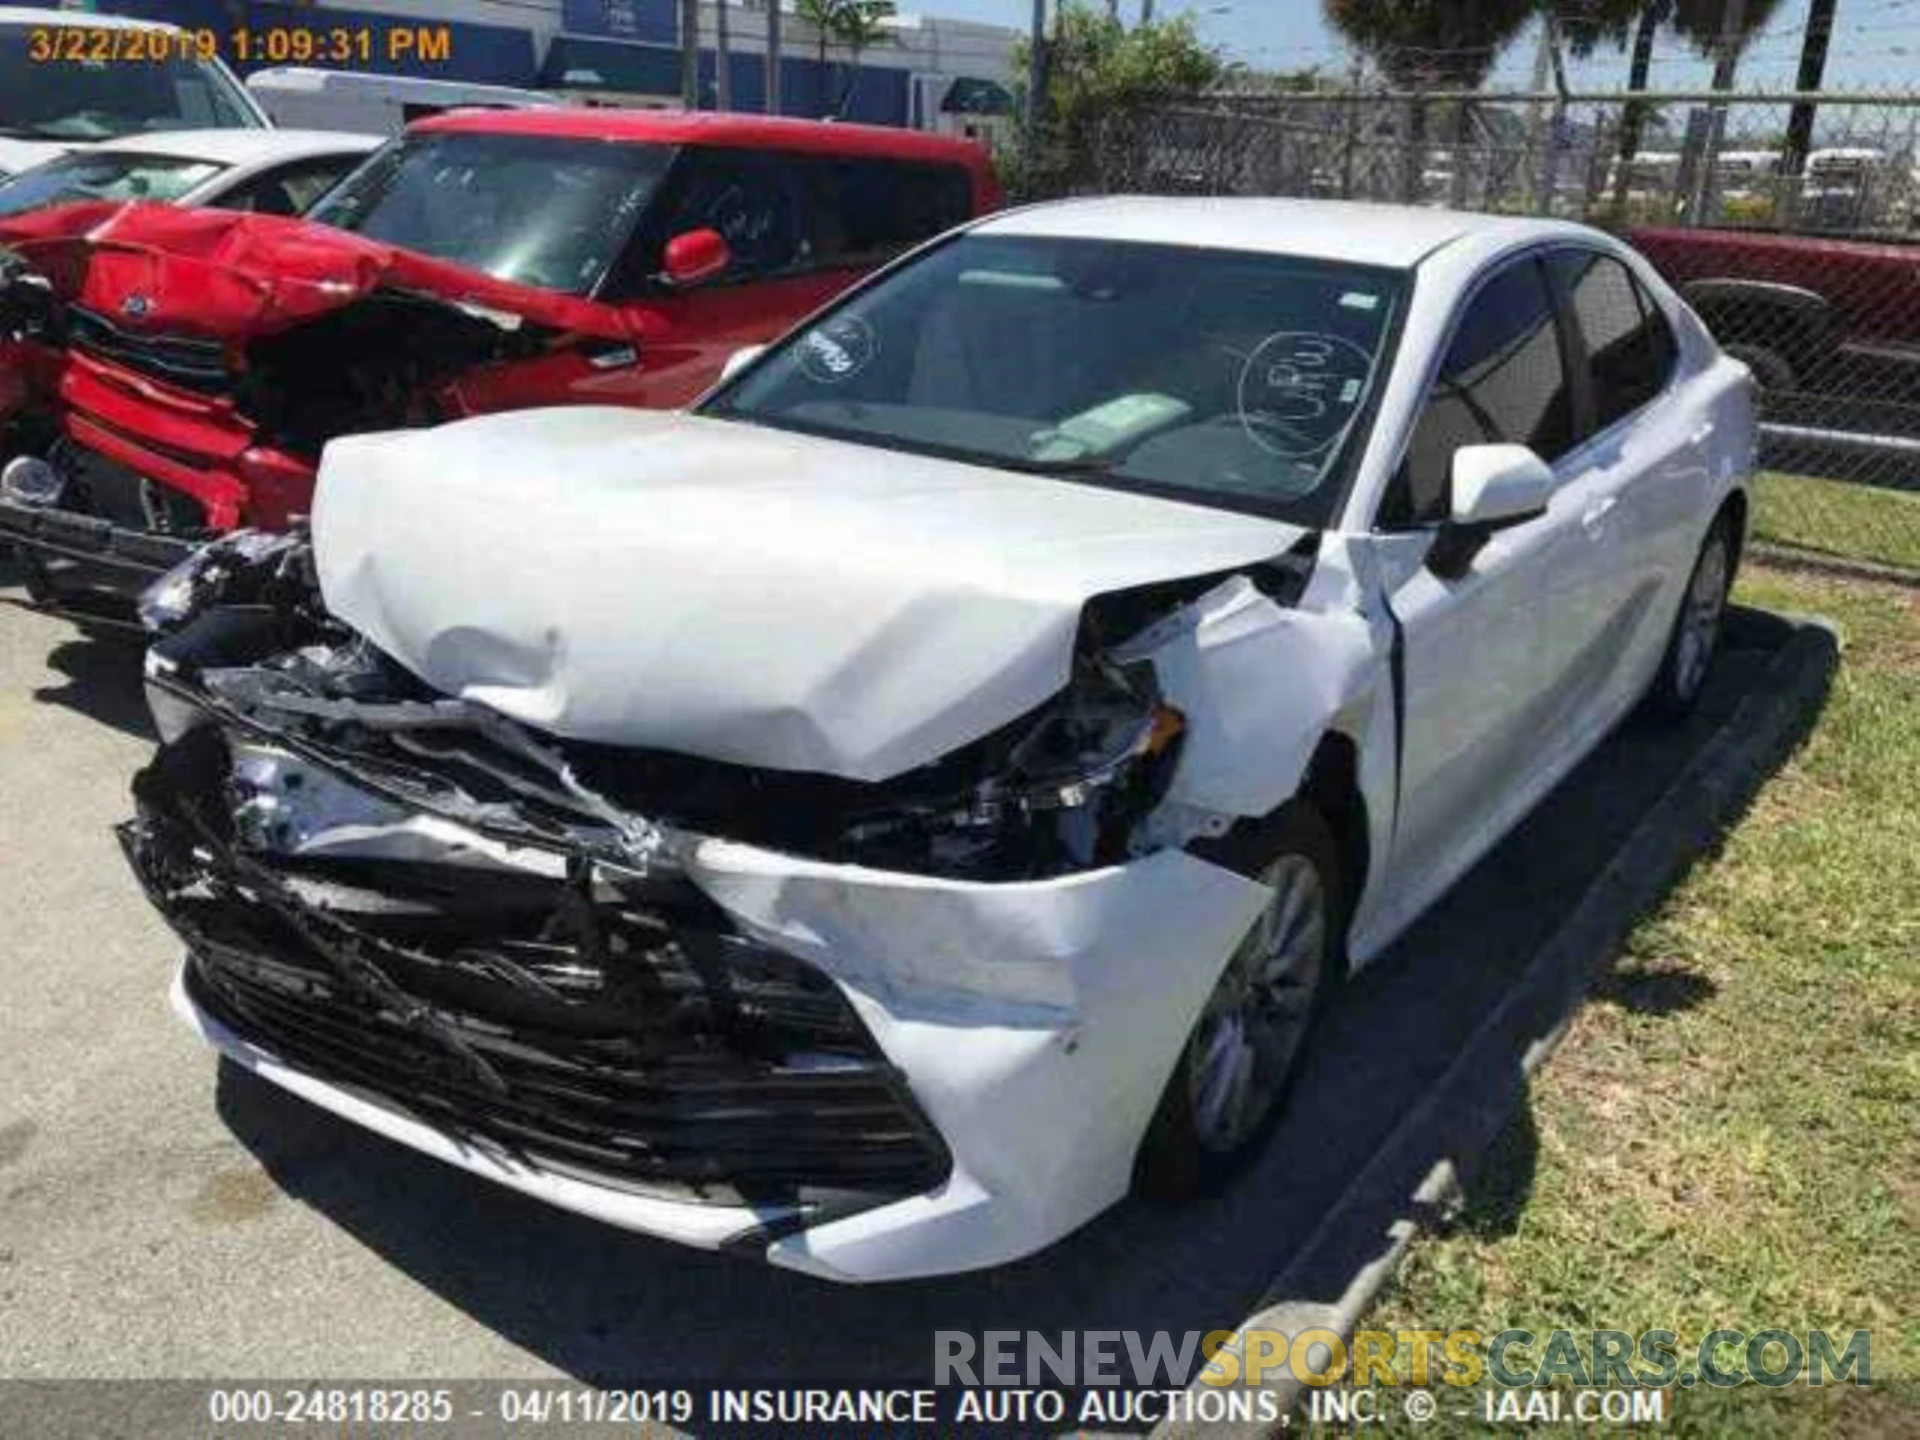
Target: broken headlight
x=241 y=566
x=1065 y=791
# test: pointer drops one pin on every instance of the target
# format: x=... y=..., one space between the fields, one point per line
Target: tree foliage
x=856 y=26
x=1590 y=25
x=1101 y=71
x=1096 y=64
x=1429 y=44
x=1699 y=22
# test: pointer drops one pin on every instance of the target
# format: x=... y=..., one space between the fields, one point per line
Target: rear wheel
x=1246 y=1049
x=1696 y=629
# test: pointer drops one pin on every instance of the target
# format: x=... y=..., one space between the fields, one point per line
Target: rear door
x=1633 y=487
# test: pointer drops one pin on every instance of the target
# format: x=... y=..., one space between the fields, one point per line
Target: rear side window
x=290 y=189
x=1629 y=345
x=866 y=210
x=1502 y=381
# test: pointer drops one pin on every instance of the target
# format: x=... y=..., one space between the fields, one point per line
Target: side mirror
x=739 y=360
x=694 y=257
x=1492 y=487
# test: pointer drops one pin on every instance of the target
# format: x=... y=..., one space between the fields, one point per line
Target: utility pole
x=722 y=69
x=1813 y=70
x=1036 y=78
x=690 y=54
x=773 y=57
x=1633 y=117
x=1536 y=121
x=1146 y=12
x=1733 y=19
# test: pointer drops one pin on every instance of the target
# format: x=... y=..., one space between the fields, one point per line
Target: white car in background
x=376 y=104
x=58 y=92
x=875 y=819
x=269 y=172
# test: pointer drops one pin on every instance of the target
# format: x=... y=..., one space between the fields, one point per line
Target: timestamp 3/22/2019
x=344 y=45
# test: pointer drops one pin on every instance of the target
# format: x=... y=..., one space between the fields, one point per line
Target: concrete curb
x=1820 y=562
x=1465 y=1115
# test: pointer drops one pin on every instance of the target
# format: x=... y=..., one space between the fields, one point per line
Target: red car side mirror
x=694 y=256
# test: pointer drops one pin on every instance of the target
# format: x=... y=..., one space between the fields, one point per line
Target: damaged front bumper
x=85 y=565
x=857 y=1073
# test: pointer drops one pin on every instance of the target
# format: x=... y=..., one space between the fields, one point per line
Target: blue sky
x=1876 y=45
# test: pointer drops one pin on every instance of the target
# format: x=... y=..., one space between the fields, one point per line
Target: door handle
x=1593 y=519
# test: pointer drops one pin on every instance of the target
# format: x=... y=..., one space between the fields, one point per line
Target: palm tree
x=773 y=57
x=1426 y=45
x=1430 y=44
x=854 y=25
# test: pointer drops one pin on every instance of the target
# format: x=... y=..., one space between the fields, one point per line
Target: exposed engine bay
x=1061 y=788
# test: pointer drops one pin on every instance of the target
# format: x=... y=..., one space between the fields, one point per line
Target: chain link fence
x=1790 y=221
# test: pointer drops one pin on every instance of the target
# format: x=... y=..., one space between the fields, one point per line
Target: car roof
x=88 y=19
x=236 y=146
x=1397 y=236
x=695 y=127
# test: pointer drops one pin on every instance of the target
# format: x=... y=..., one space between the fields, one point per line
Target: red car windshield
x=548 y=211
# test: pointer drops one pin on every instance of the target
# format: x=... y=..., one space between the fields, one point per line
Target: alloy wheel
x=1700 y=618
x=1258 y=1016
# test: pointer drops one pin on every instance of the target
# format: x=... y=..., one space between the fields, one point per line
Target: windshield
x=543 y=210
x=1225 y=377
x=82 y=99
x=98 y=175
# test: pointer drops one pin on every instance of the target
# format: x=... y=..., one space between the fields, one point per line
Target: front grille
x=640 y=1044
x=191 y=364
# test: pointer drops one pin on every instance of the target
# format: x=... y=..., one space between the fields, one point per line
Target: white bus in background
x=374 y=104
x=1650 y=173
x=1743 y=172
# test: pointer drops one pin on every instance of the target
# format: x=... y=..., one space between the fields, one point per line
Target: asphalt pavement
x=164 y=1215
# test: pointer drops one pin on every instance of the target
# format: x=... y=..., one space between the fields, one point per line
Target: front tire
x=1695 y=637
x=1246 y=1049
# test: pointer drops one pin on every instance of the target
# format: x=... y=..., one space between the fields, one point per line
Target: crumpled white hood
x=675 y=582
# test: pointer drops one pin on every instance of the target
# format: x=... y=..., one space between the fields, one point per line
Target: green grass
x=1750 y=1159
x=1852 y=520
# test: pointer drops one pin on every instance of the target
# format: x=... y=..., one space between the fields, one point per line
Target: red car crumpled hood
x=228 y=275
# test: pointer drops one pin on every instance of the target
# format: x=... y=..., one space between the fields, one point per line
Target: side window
x=867 y=210
x=747 y=198
x=1502 y=380
x=1630 y=347
x=289 y=189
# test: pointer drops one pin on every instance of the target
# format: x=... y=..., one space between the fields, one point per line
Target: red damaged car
x=167 y=375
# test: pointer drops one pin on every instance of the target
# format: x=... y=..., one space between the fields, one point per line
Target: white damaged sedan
x=876 y=819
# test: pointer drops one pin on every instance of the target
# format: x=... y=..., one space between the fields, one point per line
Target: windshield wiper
x=31 y=132
x=1067 y=465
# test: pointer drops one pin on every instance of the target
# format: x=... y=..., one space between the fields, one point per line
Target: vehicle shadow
x=606 y=1306
x=99 y=665
x=100 y=679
